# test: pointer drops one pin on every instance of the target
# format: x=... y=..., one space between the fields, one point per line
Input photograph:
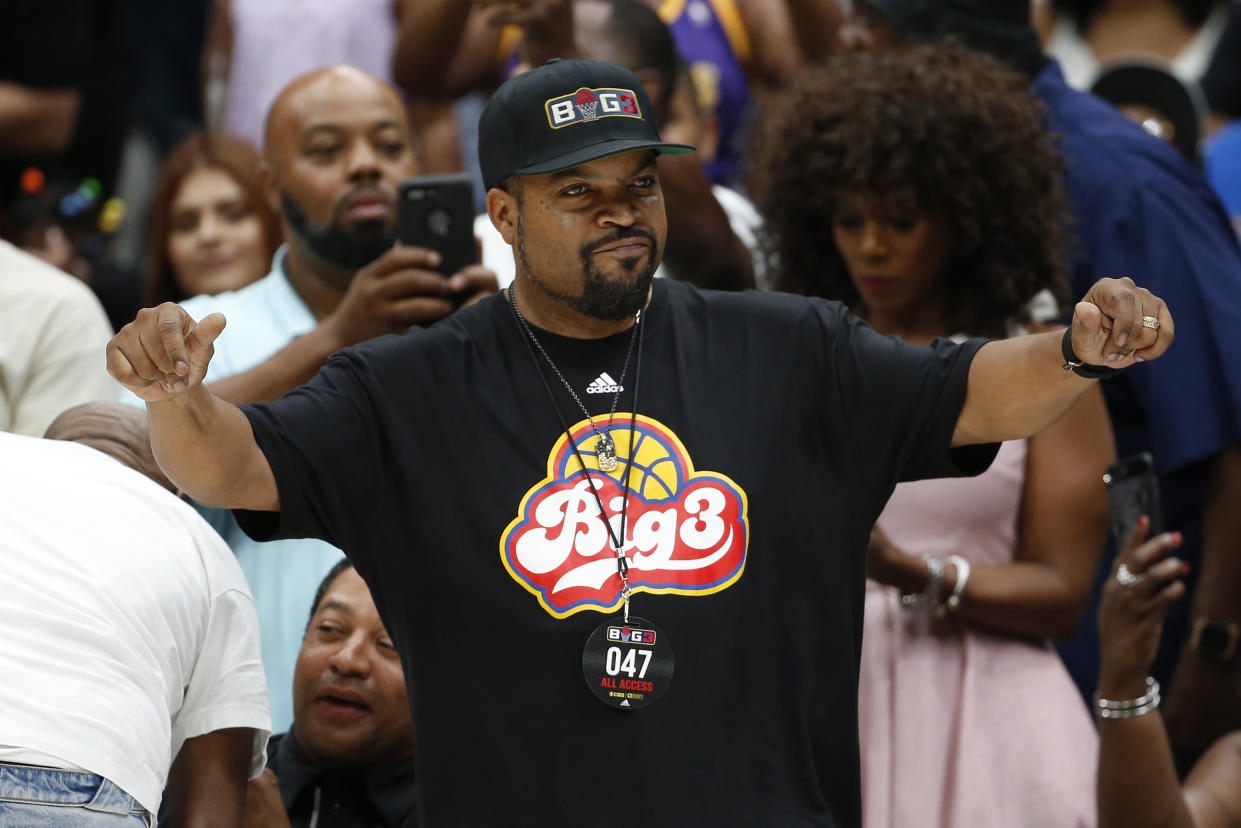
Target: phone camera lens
x=439 y=221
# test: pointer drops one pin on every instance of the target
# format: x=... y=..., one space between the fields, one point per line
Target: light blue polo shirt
x=263 y=318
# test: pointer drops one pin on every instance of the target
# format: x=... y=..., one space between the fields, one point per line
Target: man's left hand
x=1118 y=323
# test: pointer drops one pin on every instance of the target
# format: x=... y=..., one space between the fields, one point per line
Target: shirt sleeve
x=69 y=366
x=1184 y=251
x=227 y=687
x=902 y=401
x=325 y=445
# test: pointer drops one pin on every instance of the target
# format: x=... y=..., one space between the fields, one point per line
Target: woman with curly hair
x=921 y=188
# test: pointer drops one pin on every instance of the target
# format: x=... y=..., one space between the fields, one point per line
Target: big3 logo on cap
x=686 y=531
x=591 y=105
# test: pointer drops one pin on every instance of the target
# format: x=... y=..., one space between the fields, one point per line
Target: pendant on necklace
x=605 y=452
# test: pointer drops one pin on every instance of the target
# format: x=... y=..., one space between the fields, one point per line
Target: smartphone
x=1133 y=491
x=437 y=211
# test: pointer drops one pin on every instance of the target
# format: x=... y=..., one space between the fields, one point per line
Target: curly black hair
x=955 y=129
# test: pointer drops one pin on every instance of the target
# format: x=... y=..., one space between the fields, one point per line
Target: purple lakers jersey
x=710 y=36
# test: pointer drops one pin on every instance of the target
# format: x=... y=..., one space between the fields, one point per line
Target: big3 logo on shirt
x=686 y=531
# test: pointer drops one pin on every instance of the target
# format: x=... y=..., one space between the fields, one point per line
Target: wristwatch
x=1072 y=362
x=1215 y=640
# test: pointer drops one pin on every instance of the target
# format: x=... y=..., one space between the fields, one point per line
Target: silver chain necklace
x=605 y=446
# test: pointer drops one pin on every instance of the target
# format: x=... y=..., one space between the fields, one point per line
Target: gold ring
x=1150 y=322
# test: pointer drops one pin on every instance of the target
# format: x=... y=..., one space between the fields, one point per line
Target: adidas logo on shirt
x=604 y=384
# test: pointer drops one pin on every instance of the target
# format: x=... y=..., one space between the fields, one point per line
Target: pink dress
x=960 y=728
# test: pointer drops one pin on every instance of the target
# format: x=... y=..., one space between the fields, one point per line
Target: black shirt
x=313 y=795
x=772 y=430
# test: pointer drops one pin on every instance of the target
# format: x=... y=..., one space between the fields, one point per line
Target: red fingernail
x=1143 y=521
x=1176 y=537
x=1185 y=567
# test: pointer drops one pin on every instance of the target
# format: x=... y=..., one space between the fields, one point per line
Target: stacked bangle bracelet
x=930 y=592
x=929 y=596
x=954 y=600
x=1128 y=708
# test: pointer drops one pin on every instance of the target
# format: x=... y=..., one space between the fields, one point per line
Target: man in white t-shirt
x=130 y=660
x=51 y=330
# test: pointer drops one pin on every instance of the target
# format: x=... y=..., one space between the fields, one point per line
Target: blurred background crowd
x=934 y=165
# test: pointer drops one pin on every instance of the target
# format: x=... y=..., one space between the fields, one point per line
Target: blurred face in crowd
x=895 y=251
x=349 y=703
x=689 y=122
x=216 y=241
x=590 y=237
x=337 y=144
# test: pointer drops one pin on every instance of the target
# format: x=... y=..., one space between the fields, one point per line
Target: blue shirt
x=1143 y=211
x=1223 y=165
x=283 y=575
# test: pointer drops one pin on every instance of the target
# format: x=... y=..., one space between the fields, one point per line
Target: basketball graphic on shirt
x=684 y=531
x=655 y=472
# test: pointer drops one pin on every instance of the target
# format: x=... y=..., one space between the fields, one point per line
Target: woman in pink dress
x=940 y=187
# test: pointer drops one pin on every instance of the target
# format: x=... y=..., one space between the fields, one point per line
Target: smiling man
x=348 y=758
x=616 y=525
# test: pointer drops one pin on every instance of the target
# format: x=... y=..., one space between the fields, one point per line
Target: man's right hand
x=401 y=289
x=163 y=351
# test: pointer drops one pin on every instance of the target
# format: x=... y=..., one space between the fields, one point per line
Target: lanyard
x=622 y=563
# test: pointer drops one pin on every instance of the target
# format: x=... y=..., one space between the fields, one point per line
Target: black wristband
x=1073 y=363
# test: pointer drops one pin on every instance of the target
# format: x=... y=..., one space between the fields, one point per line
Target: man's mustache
x=618 y=235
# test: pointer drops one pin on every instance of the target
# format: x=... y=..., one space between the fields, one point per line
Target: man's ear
x=502 y=210
x=270 y=184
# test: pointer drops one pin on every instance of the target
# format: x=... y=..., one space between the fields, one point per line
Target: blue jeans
x=33 y=797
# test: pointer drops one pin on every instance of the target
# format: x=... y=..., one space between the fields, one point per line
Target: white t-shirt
x=127 y=625
x=742 y=218
x=53 y=333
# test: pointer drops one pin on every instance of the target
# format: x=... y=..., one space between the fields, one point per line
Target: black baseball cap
x=565 y=113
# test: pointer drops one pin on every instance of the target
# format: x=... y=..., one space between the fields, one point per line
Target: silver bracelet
x=1128 y=708
x=1129 y=714
x=963 y=577
x=930 y=592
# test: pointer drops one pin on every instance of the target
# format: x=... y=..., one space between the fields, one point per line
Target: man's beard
x=608 y=300
x=347 y=249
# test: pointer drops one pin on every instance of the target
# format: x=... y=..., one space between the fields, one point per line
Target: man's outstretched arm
x=1017 y=387
x=204 y=444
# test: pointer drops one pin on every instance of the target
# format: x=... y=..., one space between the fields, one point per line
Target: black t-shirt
x=319 y=797
x=771 y=432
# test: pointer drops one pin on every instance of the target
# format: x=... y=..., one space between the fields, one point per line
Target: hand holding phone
x=1133 y=491
x=437 y=212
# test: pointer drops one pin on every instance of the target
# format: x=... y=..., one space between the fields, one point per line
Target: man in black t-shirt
x=616 y=526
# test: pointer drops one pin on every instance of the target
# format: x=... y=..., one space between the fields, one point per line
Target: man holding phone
x=337 y=146
x=505 y=510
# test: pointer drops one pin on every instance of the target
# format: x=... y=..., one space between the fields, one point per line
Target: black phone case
x=1133 y=491
x=437 y=211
